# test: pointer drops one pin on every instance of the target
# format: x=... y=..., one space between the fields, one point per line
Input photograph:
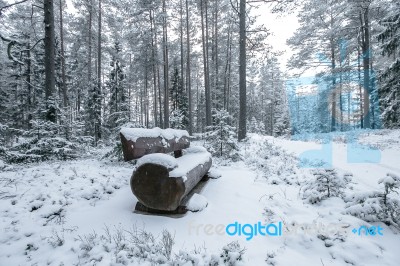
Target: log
x=155 y=188
x=148 y=145
x=137 y=142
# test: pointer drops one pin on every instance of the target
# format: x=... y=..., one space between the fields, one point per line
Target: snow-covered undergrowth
x=80 y=212
x=380 y=205
x=270 y=161
x=322 y=207
x=38 y=200
x=135 y=246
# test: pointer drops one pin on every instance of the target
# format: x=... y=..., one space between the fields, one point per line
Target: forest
x=302 y=137
x=79 y=70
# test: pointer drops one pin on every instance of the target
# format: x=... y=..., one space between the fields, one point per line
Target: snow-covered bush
x=137 y=246
x=35 y=150
x=177 y=119
x=256 y=127
x=269 y=161
x=221 y=137
x=325 y=184
x=374 y=206
x=232 y=253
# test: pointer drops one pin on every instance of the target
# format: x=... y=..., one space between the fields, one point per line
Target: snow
x=195 y=149
x=81 y=212
x=178 y=167
x=134 y=133
x=2 y=164
x=390 y=179
x=160 y=159
x=197 y=203
x=190 y=160
x=214 y=173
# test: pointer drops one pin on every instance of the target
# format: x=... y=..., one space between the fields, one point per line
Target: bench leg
x=178 y=153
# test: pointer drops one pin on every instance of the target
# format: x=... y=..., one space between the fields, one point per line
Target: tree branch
x=10 y=5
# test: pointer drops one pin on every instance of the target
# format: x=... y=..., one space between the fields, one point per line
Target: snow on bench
x=162 y=181
x=137 y=142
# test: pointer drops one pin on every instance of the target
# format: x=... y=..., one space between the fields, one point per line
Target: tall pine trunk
x=63 y=77
x=49 y=53
x=204 y=35
x=366 y=65
x=188 y=74
x=242 y=72
x=166 y=76
x=98 y=102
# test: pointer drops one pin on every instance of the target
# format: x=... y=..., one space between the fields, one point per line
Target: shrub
x=375 y=206
x=325 y=184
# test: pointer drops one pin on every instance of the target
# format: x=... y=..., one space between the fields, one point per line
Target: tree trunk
x=242 y=72
x=366 y=65
x=165 y=44
x=181 y=45
x=154 y=66
x=204 y=35
x=49 y=52
x=188 y=74
x=64 y=81
x=98 y=108
x=89 y=82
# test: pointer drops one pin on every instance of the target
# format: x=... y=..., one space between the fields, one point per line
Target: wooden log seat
x=161 y=181
x=137 y=142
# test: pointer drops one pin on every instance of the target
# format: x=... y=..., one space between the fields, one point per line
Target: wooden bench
x=162 y=182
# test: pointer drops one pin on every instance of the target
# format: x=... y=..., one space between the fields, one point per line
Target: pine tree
x=118 y=104
x=179 y=102
x=221 y=137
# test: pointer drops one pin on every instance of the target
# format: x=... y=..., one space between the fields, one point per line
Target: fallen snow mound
x=214 y=173
x=160 y=159
x=134 y=133
x=197 y=203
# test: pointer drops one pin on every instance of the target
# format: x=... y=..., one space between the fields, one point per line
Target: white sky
x=282 y=28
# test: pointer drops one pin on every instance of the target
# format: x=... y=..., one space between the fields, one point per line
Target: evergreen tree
x=179 y=102
x=221 y=137
x=118 y=104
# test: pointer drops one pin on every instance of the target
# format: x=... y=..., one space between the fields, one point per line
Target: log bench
x=161 y=182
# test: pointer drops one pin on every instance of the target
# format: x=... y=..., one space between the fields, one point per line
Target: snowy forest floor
x=81 y=212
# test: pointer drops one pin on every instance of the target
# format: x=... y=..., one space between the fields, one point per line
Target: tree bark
x=166 y=74
x=242 y=72
x=49 y=53
x=204 y=34
x=63 y=77
x=366 y=66
x=98 y=108
x=188 y=70
x=89 y=82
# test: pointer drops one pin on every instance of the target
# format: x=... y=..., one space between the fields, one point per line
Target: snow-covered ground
x=81 y=212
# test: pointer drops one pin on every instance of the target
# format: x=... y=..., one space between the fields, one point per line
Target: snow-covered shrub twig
x=269 y=161
x=374 y=206
x=137 y=246
x=325 y=184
